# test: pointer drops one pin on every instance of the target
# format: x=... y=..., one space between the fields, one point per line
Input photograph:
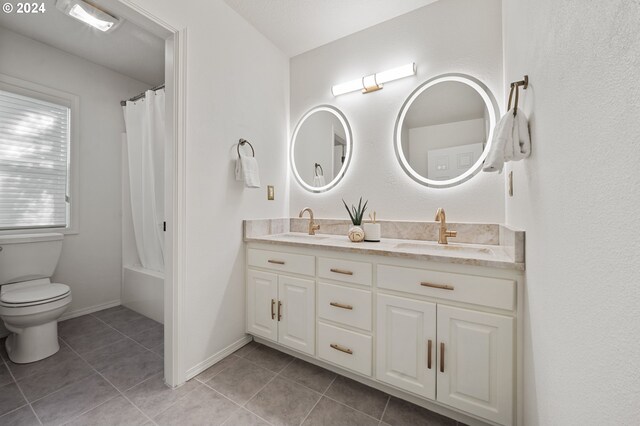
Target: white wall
x=91 y=260
x=225 y=58
x=462 y=36
x=578 y=198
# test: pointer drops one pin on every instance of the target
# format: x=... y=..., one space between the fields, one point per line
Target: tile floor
x=109 y=372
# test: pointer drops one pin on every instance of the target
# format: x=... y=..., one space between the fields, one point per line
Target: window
x=35 y=141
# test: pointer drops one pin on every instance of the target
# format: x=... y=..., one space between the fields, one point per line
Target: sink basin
x=300 y=237
x=441 y=248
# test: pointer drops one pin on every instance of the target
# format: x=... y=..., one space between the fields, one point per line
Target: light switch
x=271 y=193
x=510 y=183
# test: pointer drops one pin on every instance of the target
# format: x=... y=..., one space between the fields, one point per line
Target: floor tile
x=242 y=417
x=309 y=375
x=133 y=370
x=21 y=417
x=200 y=407
x=70 y=371
x=208 y=374
x=283 y=402
x=24 y=370
x=152 y=337
x=5 y=376
x=117 y=316
x=75 y=399
x=136 y=326
x=153 y=396
x=108 y=355
x=358 y=396
x=89 y=342
x=115 y=412
x=159 y=350
x=79 y=326
x=331 y=413
x=241 y=380
x=246 y=349
x=403 y=413
x=10 y=398
x=269 y=358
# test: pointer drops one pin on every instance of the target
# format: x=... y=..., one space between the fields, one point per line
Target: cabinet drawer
x=345 y=348
x=345 y=270
x=494 y=292
x=283 y=262
x=345 y=305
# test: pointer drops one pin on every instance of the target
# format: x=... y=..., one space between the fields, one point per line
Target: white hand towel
x=318 y=181
x=247 y=170
x=511 y=141
x=502 y=136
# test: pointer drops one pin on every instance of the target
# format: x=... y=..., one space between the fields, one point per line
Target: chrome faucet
x=312 y=226
x=443 y=234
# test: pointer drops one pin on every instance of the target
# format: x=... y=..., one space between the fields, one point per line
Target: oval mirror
x=321 y=148
x=444 y=130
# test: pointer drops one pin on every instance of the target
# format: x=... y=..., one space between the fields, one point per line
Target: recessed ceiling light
x=88 y=14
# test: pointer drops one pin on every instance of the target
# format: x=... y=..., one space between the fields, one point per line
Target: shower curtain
x=144 y=121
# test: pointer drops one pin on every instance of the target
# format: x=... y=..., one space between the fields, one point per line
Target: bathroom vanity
x=438 y=325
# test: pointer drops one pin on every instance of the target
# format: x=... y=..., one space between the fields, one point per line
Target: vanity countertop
x=488 y=255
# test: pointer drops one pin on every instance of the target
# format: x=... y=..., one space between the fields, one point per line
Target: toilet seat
x=34 y=295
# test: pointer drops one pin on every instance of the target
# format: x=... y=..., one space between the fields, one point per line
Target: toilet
x=30 y=304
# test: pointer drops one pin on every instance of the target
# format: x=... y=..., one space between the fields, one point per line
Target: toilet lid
x=37 y=293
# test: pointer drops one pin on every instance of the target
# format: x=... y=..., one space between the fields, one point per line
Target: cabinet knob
x=440 y=286
x=276 y=262
x=337 y=347
x=429 y=349
x=340 y=305
x=341 y=271
x=279 y=310
x=442 y=357
x=273 y=309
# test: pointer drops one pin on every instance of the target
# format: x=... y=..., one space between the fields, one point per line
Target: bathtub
x=143 y=291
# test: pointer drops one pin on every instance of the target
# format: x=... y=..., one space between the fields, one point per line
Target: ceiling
x=296 y=26
x=128 y=49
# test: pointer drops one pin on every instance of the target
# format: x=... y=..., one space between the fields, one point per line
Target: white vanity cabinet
x=281 y=307
x=444 y=335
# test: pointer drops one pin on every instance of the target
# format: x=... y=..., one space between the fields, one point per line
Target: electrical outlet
x=271 y=193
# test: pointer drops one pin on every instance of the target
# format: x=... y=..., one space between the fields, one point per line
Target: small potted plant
x=356 y=233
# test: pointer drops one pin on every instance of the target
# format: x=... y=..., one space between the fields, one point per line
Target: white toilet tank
x=28 y=256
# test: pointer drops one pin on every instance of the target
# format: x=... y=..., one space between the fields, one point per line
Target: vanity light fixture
x=373 y=82
x=88 y=14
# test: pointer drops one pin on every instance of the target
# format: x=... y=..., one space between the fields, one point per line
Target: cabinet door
x=296 y=327
x=405 y=333
x=475 y=374
x=262 y=301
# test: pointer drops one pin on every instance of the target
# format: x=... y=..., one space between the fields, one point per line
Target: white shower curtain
x=144 y=120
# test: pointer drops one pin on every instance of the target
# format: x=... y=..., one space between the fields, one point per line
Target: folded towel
x=511 y=141
x=318 y=181
x=247 y=170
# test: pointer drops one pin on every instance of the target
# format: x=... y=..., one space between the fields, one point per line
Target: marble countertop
x=489 y=255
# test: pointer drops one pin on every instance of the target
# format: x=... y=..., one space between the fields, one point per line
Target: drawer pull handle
x=340 y=305
x=341 y=271
x=442 y=357
x=279 y=310
x=341 y=349
x=273 y=309
x=429 y=349
x=440 y=286
x=277 y=262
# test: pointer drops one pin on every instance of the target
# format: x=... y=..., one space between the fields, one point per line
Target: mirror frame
x=492 y=107
x=349 y=142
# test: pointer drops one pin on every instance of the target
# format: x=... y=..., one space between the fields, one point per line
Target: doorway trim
x=175 y=200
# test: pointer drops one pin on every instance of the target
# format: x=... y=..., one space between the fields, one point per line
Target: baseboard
x=89 y=310
x=218 y=356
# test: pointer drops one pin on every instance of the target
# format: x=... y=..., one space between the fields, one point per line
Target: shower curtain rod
x=141 y=95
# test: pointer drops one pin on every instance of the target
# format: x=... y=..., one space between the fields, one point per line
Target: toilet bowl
x=30 y=305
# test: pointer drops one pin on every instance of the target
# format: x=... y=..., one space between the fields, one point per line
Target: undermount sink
x=301 y=237
x=453 y=248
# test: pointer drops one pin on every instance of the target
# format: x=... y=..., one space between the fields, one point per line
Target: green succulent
x=356 y=214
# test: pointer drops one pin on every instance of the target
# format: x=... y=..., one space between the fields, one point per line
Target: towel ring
x=317 y=165
x=515 y=85
x=242 y=142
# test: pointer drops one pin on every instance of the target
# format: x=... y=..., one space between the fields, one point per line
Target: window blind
x=34 y=162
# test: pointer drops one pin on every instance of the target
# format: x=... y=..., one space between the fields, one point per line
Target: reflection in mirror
x=443 y=130
x=320 y=148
